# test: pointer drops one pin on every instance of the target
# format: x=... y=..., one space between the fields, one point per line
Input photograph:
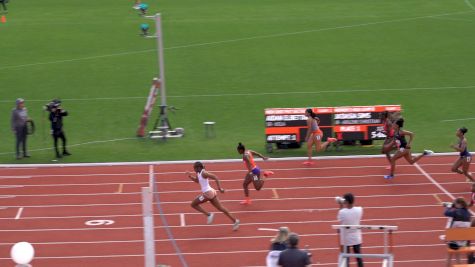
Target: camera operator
x=459 y=213
x=350 y=215
x=56 y=117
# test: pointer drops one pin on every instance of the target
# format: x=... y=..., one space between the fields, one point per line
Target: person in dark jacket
x=19 y=121
x=293 y=256
x=56 y=117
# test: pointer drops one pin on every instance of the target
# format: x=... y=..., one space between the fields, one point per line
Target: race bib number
x=201 y=198
x=256 y=178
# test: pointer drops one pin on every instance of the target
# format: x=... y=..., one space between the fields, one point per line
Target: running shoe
x=388 y=177
x=268 y=173
x=236 y=225
x=331 y=139
x=210 y=218
x=246 y=201
x=308 y=163
x=428 y=152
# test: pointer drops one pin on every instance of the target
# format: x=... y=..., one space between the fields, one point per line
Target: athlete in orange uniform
x=254 y=172
x=314 y=136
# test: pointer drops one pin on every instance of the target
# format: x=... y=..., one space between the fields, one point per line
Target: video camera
x=339 y=200
x=447 y=204
x=55 y=103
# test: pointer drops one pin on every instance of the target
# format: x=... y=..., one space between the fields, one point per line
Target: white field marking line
x=233 y=200
x=237 y=40
x=466 y=20
x=464 y=119
x=238 y=189
x=264 y=94
x=219 y=225
x=237 y=212
x=18 y=214
x=439 y=185
x=182 y=220
x=221 y=238
x=141 y=163
x=469 y=4
x=75 y=145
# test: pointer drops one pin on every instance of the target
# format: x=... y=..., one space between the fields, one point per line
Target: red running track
x=50 y=206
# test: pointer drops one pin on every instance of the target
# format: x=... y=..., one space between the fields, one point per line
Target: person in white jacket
x=350 y=215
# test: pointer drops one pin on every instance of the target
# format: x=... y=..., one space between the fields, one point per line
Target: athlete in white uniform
x=208 y=194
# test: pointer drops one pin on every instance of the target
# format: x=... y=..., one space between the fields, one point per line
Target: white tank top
x=204 y=183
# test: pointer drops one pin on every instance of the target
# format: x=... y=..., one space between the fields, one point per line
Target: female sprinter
x=208 y=194
x=388 y=145
x=314 y=136
x=403 y=147
x=465 y=156
x=253 y=172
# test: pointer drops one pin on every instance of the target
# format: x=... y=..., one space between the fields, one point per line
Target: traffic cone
x=3 y=19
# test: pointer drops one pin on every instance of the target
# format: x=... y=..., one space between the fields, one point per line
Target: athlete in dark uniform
x=465 y=157
x=403 y=147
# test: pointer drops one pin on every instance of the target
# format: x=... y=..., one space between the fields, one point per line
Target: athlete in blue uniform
x=403 y=147
x=465 y=156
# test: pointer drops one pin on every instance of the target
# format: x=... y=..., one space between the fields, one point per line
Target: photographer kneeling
x=56 y=117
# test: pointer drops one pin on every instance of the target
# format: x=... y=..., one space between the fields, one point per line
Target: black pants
x=59 y=135
x=356 y=250
x=2 y=2
x=20 y=133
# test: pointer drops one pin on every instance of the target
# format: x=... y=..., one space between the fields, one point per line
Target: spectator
x=350 y=215
x=459 y=213
x=278 y=244
x=293 y=256
x=19 y=127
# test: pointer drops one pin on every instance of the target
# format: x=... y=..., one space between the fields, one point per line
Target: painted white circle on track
x=99 y=222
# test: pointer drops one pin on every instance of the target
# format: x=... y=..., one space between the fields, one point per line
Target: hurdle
x=387 y=255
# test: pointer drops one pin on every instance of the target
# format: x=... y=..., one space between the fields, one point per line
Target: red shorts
x=317 y=135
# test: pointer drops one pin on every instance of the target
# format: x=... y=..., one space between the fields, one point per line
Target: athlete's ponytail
x=463 y=130
x=310 y=111
x=241 y=147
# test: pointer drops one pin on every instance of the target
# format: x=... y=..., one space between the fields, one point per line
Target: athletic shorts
x=318 y=134
x=208 y=195
x=256 y=171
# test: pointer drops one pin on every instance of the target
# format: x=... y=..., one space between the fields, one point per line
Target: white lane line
x=18 y=214
x=244 y=252
x=224 y=180
x=227 y=201
x=237 y=212
x=221 y=225
x=223 y=238
x=182 y=214
x=239 y=190
x=240 y=39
